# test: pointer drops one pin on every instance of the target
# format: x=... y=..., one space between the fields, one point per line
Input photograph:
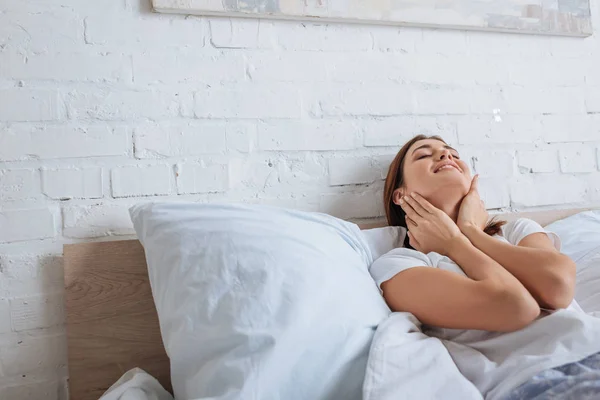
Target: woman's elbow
x=521 y=309
x=560 y=289
x=526 y=311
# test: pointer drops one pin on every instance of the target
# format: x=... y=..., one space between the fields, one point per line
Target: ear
x=398 y=193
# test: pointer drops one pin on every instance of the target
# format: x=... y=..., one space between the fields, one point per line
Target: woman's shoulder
x=405 y=254
x=520 y=224
x=518 y=229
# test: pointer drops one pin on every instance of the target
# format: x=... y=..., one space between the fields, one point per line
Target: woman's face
x=435 y=171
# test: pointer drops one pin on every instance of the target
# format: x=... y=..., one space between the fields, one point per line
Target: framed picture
x=551 y=17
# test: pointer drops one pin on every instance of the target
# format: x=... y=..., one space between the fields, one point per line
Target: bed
x=112 y=324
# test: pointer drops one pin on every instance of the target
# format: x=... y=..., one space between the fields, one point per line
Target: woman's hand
x=472 y=213
x=429 y=229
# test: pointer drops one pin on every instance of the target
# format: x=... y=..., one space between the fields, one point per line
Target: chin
x=457 y=185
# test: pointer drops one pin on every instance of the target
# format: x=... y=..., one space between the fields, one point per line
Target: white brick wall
x=69 y=183
x=141 y=180
x=576 y=158
x=537 y=161
x=30 y=105
x=104 y=104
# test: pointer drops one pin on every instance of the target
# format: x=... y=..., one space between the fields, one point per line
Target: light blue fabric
x=575 y=381
x=259 y=302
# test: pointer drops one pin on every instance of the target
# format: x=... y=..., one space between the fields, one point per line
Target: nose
x=445 y=154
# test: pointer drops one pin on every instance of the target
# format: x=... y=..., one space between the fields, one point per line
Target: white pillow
x=383 y=240
x=258 y=302
x=580 y=237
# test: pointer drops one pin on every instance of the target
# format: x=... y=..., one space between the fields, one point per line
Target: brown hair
x=394 y=213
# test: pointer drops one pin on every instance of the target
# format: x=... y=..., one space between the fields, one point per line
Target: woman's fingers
x=424 y=205
x=416 y=206
x=410 y=221
x=409 y=210
x=475 y=184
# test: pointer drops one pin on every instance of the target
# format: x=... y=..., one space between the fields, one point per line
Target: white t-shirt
x=497 y=362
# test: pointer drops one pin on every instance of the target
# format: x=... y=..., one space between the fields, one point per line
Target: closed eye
x=423 y=156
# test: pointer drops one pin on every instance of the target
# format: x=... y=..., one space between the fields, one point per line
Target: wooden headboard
x=112 y=325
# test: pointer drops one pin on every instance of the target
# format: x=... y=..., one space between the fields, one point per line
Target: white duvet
x=403 y=362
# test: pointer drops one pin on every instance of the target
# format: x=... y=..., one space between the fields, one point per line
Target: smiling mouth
x=447 y=166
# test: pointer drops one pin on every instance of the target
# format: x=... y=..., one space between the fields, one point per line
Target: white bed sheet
x=136 y=384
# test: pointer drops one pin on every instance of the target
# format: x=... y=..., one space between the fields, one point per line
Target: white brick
x=567 y=128
x=543 y=190
x=372 y=100
x=121 y=105
x=194 y=178
x=494 y=164
x=67 y=67
x=40 y=31
x=396 y=131
x=173 y=140
x=45 y=390
x=257 y=173
x=442 y=41
x=545 y=101
x=34 y=353
x=248 y=101
x=30 y=105
x=353 y=205
x=487 y=100
x=20 y=142
x=5 y=325
x=563 y=47
x=366 y=67
x=457 y=71
x=593 y=182
x=18 y=184
x=547 y=72
x=577 y=158
x=302 y=170
x=319 y=37
x=241 y=33
x=592 y=76
x=592 y=99
x=494 y=193
x=69 y=183
x=188 y=68
x=150 y=31
x=349 y=171
x=290 y=67
x=141 y=180
x=538 y=161
x=25 y=275
x=393 y=39
x=96 y=221
x=241 y=137
x=485 y=44
x=37 y=312
x=307 y=135
x=441 y=101
x=528 y=45
x=503 y=130
x=18 y=225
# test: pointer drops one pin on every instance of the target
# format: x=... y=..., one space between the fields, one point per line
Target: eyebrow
x=428 y=146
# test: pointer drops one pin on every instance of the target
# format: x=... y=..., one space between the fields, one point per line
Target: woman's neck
x=451 y=209
x=449 y=201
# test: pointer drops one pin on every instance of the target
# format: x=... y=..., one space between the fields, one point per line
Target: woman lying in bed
x=499 y=295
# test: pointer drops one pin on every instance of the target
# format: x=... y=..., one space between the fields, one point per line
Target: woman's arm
x=547 y=274
x=489 y=298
